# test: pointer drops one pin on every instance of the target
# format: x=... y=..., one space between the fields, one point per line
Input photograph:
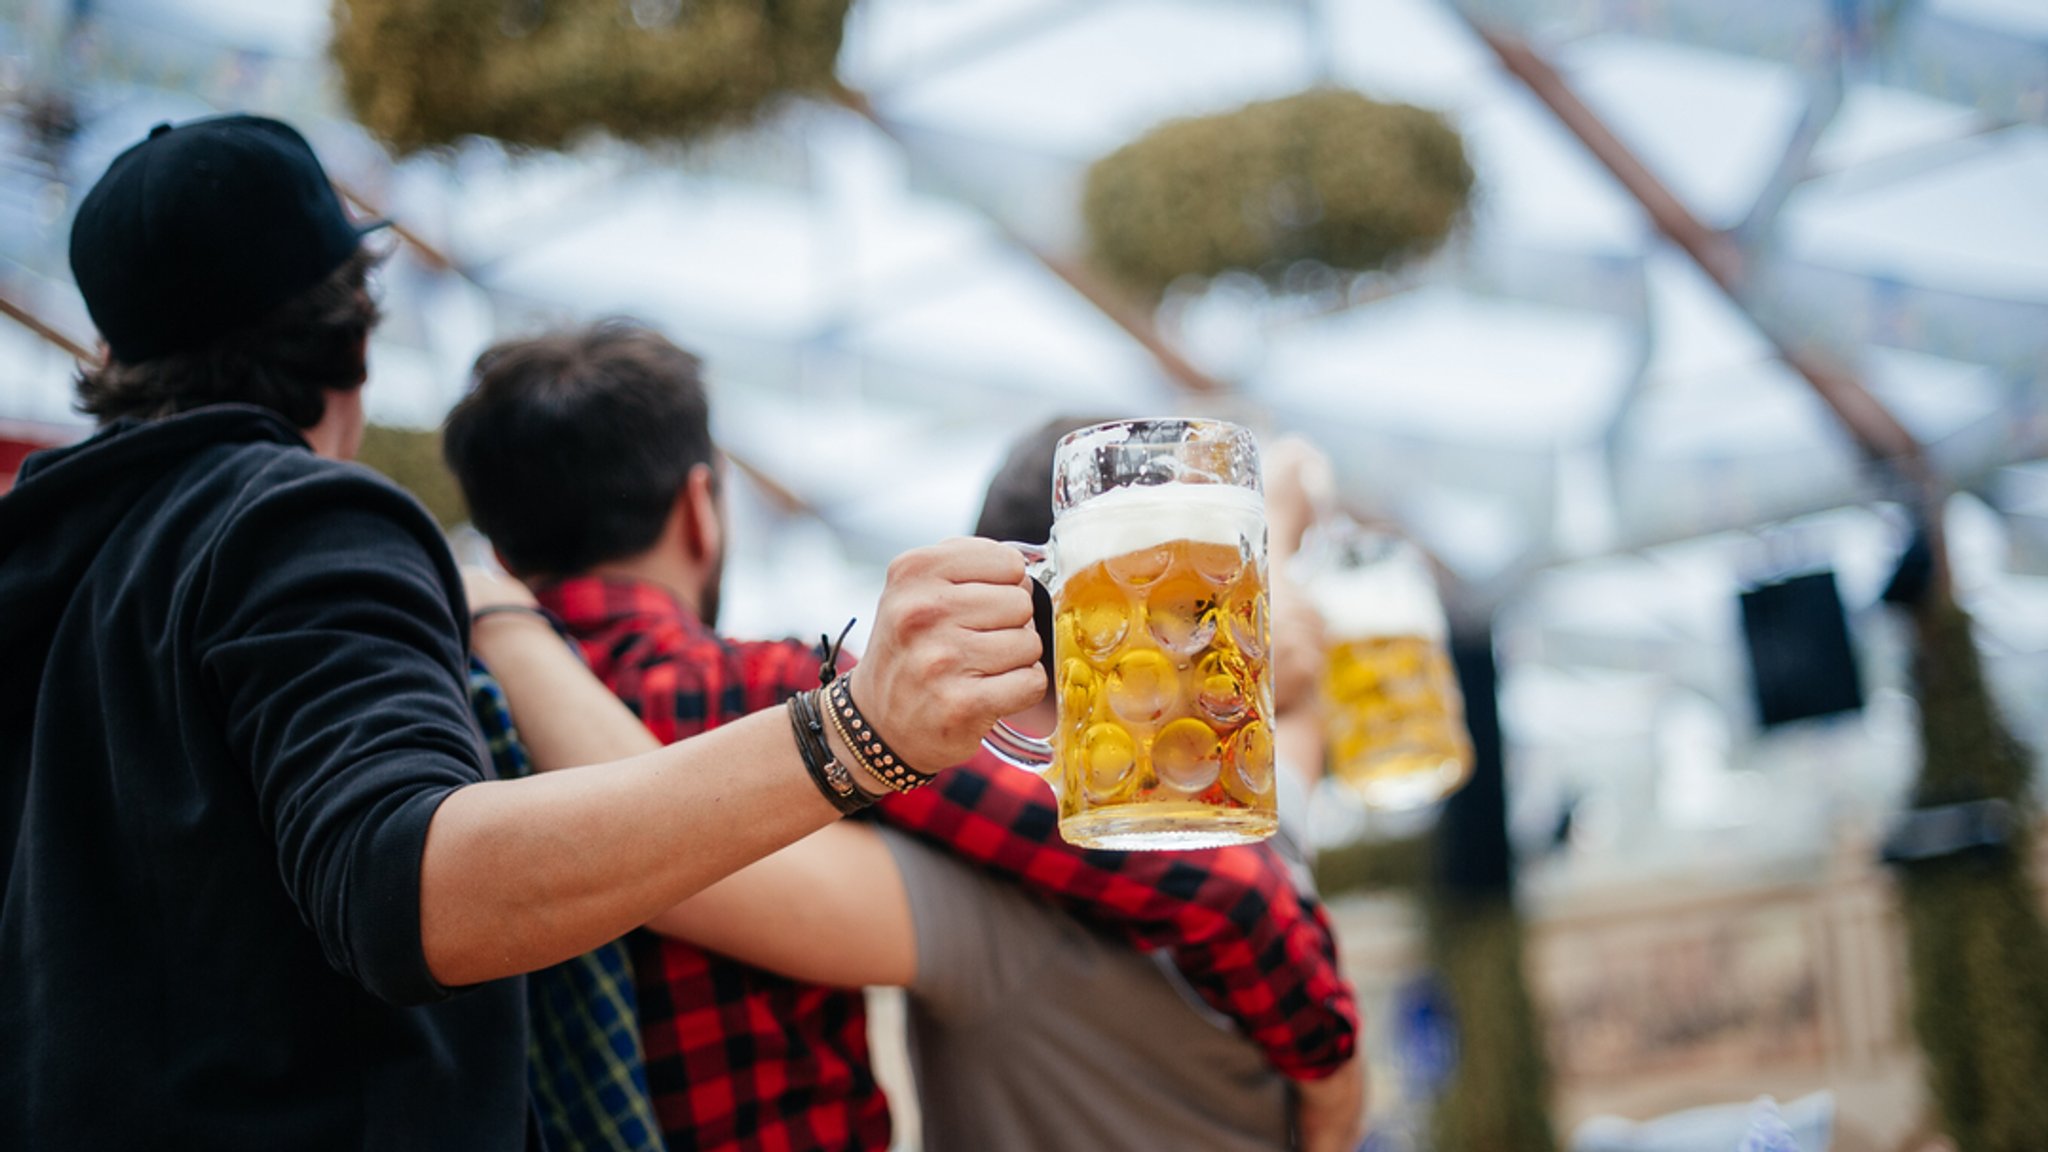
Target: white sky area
x=1710 y=125
x=1452 y=366
x=1978 y=225
x=2025 y=18
x=1078 y=89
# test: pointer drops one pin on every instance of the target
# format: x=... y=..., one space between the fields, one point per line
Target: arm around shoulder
x=520 y=874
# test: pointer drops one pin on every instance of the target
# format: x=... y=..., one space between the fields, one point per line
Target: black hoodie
x=231 y=698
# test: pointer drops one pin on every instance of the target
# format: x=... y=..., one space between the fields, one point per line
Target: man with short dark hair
x=753 y=1025
x=586 y=458
x=256 y=891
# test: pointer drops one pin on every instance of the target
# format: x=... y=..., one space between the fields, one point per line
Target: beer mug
x=1395 y=719
x=1157 y=571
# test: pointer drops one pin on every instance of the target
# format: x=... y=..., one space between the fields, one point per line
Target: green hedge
x=1326 y=176
x=1975 y=939
x=420 y=73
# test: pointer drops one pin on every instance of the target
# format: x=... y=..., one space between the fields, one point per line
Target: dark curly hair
x=286 y=362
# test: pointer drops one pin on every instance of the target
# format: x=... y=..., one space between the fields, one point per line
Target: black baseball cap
x=203 y=228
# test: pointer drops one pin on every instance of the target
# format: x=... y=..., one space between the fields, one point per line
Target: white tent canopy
x=1558 y=404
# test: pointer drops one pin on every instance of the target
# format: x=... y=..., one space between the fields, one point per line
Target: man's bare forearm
x=521 y=874
x=829 y=909
x=563 y=713
x=839 y=911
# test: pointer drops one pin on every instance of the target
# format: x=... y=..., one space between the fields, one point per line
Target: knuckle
x=922 y=615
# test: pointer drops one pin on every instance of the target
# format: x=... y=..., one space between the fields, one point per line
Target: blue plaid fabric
x=584 y=1062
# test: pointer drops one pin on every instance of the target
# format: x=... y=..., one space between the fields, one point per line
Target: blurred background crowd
x=1701 y=345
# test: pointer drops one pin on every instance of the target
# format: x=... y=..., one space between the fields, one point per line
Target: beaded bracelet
x=880 y=760
x=839 y=726
x=826 y=771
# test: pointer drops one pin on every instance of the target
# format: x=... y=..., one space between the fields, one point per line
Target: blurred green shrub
x=1374 y=866
x=1328 y=176
x=411 y=457
x=1975 y=938
x=1497 y=1100
x=537 y=73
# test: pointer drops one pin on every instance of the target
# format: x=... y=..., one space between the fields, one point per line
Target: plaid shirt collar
x=612 y=604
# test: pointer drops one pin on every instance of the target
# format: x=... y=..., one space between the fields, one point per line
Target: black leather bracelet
x=831 y=777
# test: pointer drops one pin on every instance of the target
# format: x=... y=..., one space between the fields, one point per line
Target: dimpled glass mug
x=1157 y=570
x=1395 y=720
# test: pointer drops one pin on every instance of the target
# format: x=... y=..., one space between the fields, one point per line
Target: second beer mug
x=1157 y=569
x=1396 y=722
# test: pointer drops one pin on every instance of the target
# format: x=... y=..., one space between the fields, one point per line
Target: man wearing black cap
x=247 y=851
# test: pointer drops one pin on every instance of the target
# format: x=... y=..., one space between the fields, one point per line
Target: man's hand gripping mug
x=1157 y=571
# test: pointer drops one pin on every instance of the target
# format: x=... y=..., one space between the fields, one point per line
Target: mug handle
x=1006 y=743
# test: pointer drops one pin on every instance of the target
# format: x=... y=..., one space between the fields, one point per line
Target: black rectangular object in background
x=1800 y=661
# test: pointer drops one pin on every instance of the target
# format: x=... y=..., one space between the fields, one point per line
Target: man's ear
x=703 y=529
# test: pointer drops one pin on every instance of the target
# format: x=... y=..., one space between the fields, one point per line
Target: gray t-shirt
x=1030 y=1032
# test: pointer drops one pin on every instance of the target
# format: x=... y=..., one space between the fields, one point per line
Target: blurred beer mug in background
x=1395 y=720
x=1157 y=571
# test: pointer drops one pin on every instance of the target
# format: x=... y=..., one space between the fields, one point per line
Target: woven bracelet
x=880 y=760
x=831 y=777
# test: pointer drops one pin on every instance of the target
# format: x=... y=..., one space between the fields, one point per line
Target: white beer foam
x=1130 y=519
x=1378 y=601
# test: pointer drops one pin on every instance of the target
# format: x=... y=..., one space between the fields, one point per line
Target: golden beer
x=1396 y=723
x=1165 y=736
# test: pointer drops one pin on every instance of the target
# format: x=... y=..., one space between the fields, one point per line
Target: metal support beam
x=46 y=332
x=1882 y=437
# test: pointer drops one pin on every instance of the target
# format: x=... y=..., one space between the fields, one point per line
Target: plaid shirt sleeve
x=584 y=1062
x=1230 y=918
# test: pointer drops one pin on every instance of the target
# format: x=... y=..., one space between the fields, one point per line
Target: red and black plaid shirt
x=738 y=1058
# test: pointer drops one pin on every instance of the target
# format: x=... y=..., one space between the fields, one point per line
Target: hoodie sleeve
x=330 y=644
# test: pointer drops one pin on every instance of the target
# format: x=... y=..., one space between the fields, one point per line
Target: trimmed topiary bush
x=1328 y=176
x=537 y=73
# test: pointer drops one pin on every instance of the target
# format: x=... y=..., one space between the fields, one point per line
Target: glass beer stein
x=1395 y=719
x=1157 y=570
